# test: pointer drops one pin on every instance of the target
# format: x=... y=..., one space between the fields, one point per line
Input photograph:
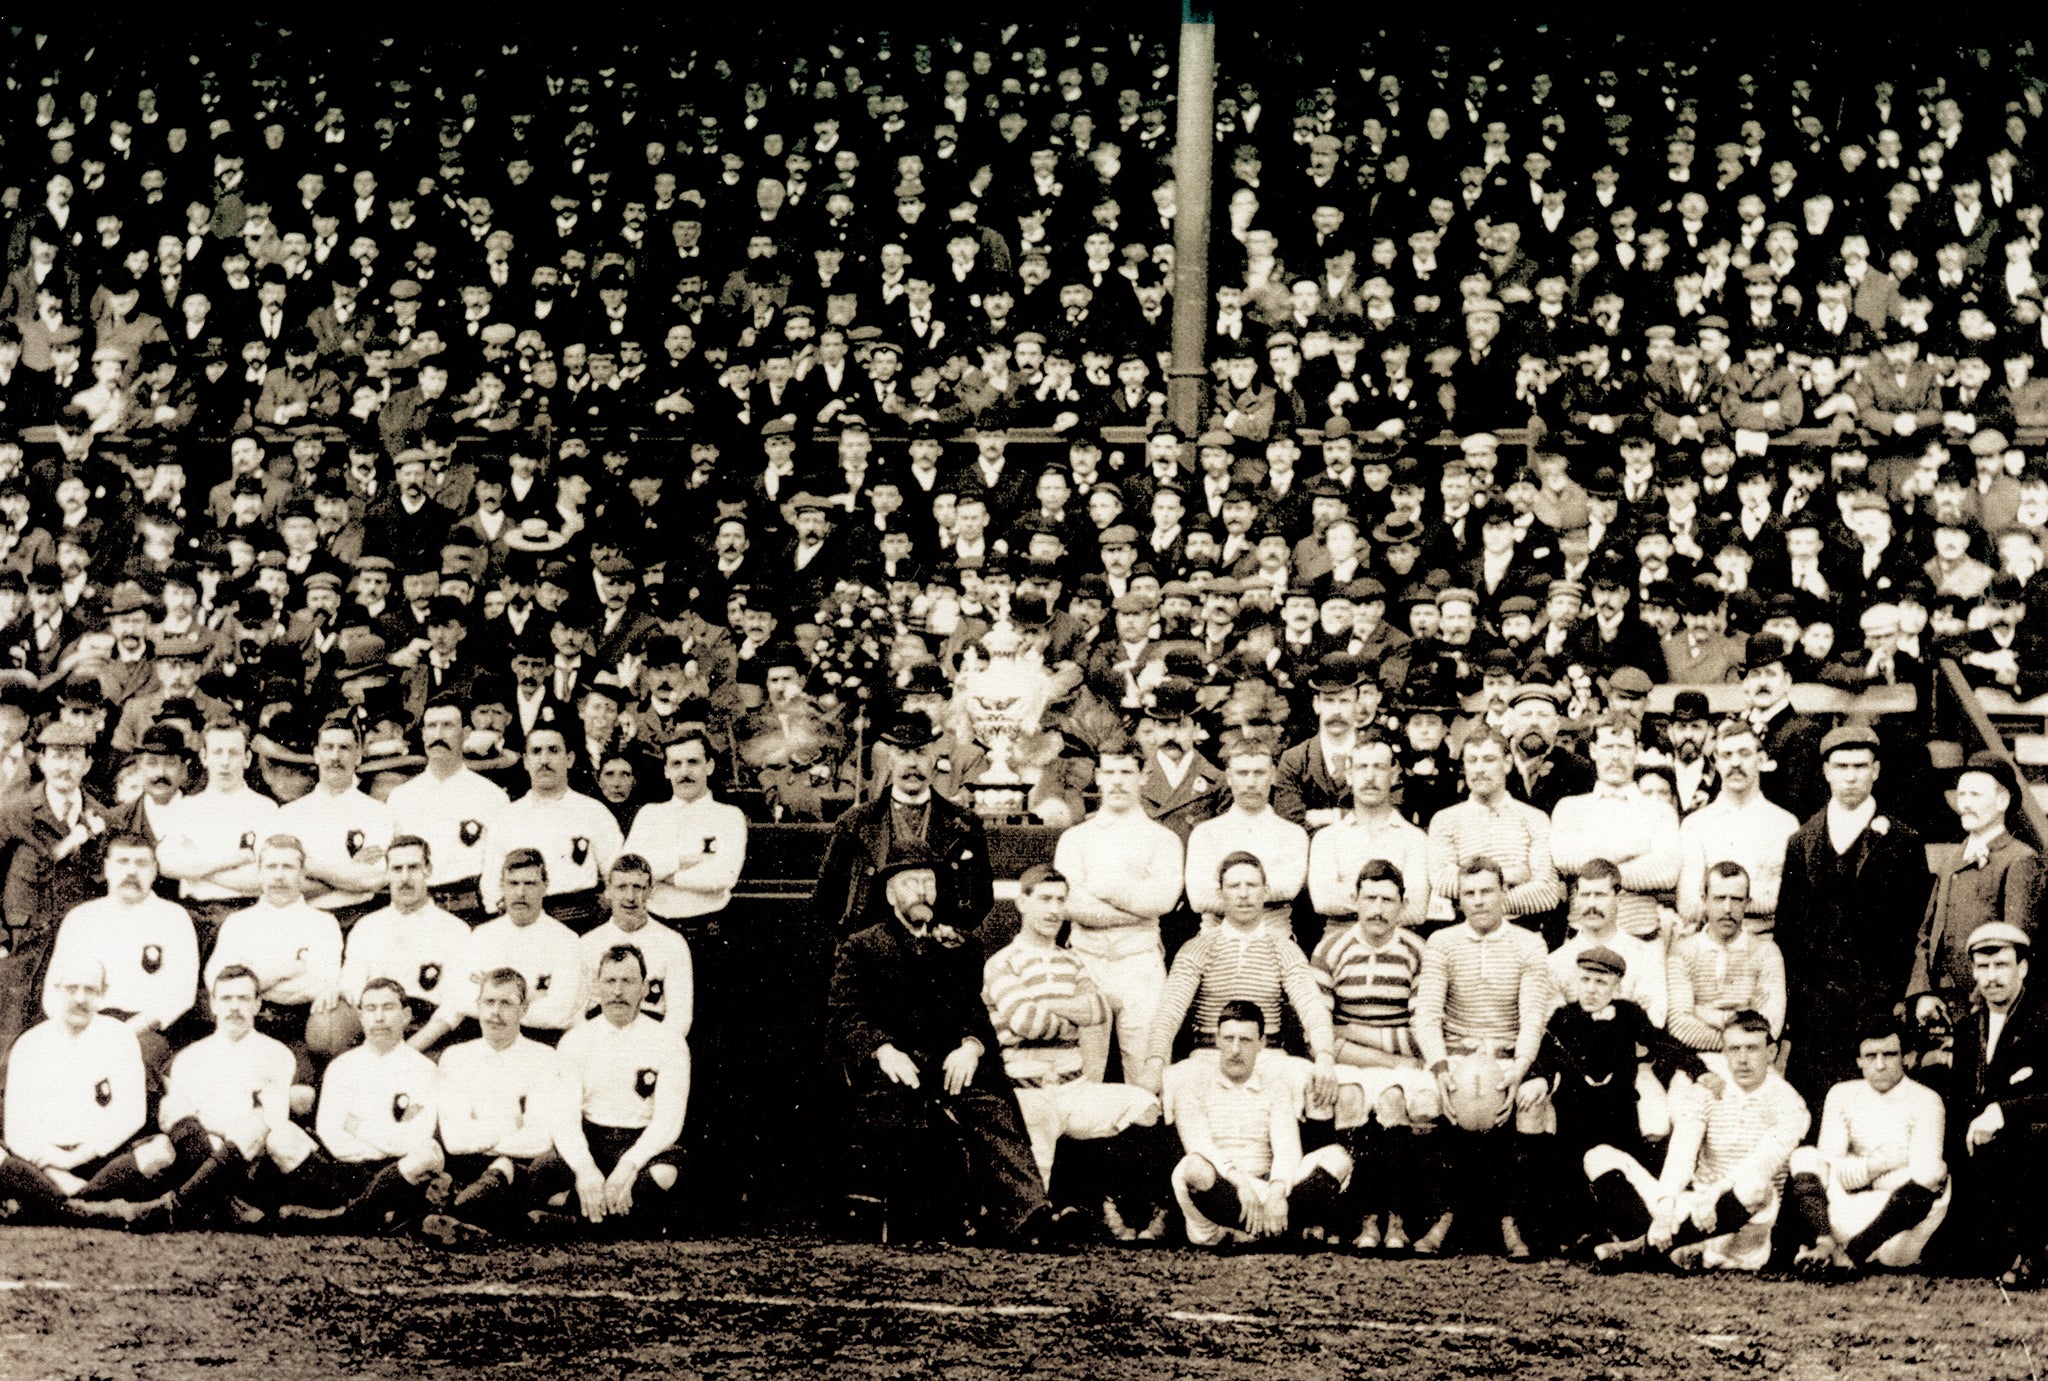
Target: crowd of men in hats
x=399 y=644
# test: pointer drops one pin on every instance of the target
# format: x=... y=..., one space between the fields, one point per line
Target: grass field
x=78 y=1303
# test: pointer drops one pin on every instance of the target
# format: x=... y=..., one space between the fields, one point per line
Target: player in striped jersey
x=1368 y=971
x=1039 y=997
x=1724 y=1171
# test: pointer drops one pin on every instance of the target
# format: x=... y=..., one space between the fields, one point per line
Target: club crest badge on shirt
x=643 y=1083
x=248 y=840
x=152 y=958
x=579 y=850
x=401 y=1107
x=430 y=977
x=710 y=844
x=469 y=832
x=355 y=842
x=542 y=981
x=655 y=989
x=103 y=1092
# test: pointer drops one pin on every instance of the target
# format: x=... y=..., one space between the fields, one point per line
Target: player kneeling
x=628 y=1078
x=1717 y=1200
x=75 y=1105
x=1875 y=1187
x=499 y=1097
x=1244 y=1175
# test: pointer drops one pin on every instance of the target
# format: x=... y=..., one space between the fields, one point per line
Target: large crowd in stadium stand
x=450 y=491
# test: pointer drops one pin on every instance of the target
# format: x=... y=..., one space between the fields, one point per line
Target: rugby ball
x=334 y=1030
x=1477 y=1097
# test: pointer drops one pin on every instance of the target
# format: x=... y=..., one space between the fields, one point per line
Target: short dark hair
x=1037 y=876
x=237 y=971
x=1380 y=870
x=620 y=953
x=1729 y=868
x=524 y=857
x=129 y=839
x=411 y=841
x=1237 y=859
x=1598 y=868
x=390 y=985
x=502 y=977
x=630 y=863
x=1483 y=864
x=1749 y=1019
x=1238 y=1009
x=1877 y=1026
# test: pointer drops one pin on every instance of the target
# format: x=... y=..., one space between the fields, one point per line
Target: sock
x=1806 y=1203
x=1906 y=1208
x=1621 y=1208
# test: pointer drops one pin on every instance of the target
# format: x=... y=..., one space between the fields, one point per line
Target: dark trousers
x=948 y=1154
x=652 y=1204
x=1133 y=1169
x=371 y=1195
x=1999 y=1209
x=490 y=1199
x=113 y=1176
x=1313 y=1202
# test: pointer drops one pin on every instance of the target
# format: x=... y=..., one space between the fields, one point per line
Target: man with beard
x=1741 y=826
x=143 y=943
x=914 y=1039
x=412 y=940
x=1543 y=771
x=405 y=523
x=1687 y=736
x=451 y=809
x=866 y=838
x=1993 y=877
x=1180 y=787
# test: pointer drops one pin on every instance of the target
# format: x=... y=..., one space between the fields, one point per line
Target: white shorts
x=1082 y=1110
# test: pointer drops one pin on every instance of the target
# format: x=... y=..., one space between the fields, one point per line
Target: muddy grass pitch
x=77 y=1304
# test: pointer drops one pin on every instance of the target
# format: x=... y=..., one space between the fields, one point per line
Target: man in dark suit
x=1180 y=787
x=865 y=839
x=1998 y=1112
x=53 y=836
x=913 y=1040
x=1992 y=877
x=1854 y=890
x=1309 y=787
x=1542 y=771
x=1790 y=740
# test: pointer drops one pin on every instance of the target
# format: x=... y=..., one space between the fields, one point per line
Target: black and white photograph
x=1149 y=690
